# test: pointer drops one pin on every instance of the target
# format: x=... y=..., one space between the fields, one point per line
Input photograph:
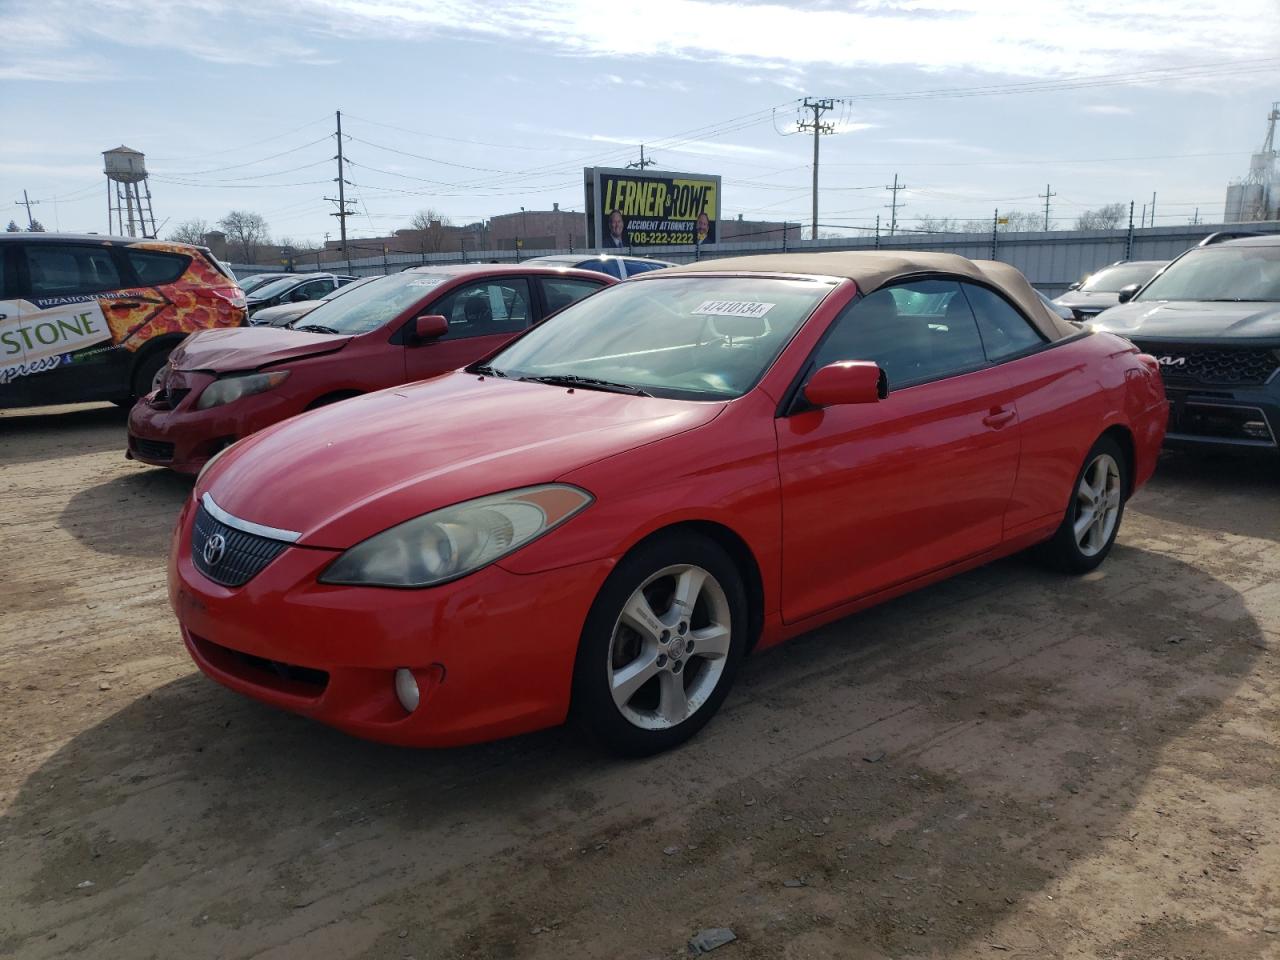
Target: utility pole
x=1142 y=220
x=341 y=200
x=28 y=203
x=893 y=207
x=819 y=107
x=1153 y=208
x=1128 y=241
x=1045 y=197
x=642 y=162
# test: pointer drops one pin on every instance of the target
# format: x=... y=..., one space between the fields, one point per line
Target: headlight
x=450 y=543
x=237 y=386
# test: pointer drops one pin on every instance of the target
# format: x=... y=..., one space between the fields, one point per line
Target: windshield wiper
x=589 y=383
x=316 y=328
x=486 y=370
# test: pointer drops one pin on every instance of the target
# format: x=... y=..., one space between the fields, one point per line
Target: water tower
x=128 y=193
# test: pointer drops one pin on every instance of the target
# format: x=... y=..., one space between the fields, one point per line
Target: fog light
x=407 y=689
x=1255 y=430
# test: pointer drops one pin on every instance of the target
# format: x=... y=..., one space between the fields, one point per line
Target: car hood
x=1078 y=298
x=1191 y=320
x=284 y=313
x=247 y=348
x=342 y=473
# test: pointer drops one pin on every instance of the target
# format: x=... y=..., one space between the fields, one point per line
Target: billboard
x=634 y=209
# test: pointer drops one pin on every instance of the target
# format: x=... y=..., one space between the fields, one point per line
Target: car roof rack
x=1222 y=236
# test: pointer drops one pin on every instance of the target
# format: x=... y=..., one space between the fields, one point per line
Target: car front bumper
x=492 y=652
x=1243 y=419
x=183 y=438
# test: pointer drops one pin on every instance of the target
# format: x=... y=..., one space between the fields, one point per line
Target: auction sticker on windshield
x=427 y=282
x=733 y=308
x=37 y=339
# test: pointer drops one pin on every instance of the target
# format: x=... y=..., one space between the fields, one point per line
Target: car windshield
x=367 y=306
x=1113 y=279
x=1220 y=273
x=683 y=337
x=275 y=287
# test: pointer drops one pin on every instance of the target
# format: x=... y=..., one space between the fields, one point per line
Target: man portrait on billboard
x=617 y=230
x=702 y=229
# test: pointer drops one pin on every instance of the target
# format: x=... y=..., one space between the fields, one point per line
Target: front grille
x=1226 y=366
x=242 y=555
x=274 y=674
x=151 y=449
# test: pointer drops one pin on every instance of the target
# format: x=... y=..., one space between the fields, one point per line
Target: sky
x=479 y=107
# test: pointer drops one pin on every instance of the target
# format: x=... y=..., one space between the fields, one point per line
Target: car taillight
x=233 y=295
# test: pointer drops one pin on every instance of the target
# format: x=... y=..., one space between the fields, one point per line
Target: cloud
x=1108 y=109
x=1003 y=37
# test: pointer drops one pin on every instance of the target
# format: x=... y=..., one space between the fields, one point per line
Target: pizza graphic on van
x=94 y=318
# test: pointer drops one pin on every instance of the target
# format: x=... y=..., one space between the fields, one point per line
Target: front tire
x=661 y=645
x=147 y=374
x=1089 y=527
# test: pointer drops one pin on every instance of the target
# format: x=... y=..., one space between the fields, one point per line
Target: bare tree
x=245 y=233
x=190 y=231
x=931 y=224
x=1103 y=218
x=431 y=224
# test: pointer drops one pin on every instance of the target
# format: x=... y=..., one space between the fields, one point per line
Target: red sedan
x=606 y=515
x=224 y=385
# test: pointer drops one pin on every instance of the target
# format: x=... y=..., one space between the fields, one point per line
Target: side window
x=559 y=293
x=63 y=270
x=1004 y=330
x=154 y=267
x=312 y=291
x=915 y=331
x=486 y=308
x=609 y=266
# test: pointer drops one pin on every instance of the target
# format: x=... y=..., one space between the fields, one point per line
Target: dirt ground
x=1011 y=764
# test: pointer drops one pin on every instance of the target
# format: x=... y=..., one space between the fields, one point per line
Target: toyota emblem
x=214 y=548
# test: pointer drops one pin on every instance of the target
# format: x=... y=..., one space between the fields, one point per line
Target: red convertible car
x=603 y=517
x=225 y=385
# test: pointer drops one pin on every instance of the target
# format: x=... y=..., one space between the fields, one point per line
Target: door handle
x=998 y=418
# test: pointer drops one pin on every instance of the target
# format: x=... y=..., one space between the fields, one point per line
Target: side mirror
x=1125 y=294
x=849 y=381
x=429 y=326
x=298 y=296
x=1073 y=285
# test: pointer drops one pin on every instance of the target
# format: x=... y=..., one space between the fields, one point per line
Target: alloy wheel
x=669 y=645
x=1097 y=505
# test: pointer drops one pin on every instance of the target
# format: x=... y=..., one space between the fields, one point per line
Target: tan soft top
x=871 y=270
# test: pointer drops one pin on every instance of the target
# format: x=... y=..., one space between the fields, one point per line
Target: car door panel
x=879 y=493
x=876 y=494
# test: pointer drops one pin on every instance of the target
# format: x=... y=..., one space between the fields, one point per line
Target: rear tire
x=661 y=645
x=1092 y=520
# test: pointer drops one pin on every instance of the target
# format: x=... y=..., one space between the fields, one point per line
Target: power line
x=247 y=163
